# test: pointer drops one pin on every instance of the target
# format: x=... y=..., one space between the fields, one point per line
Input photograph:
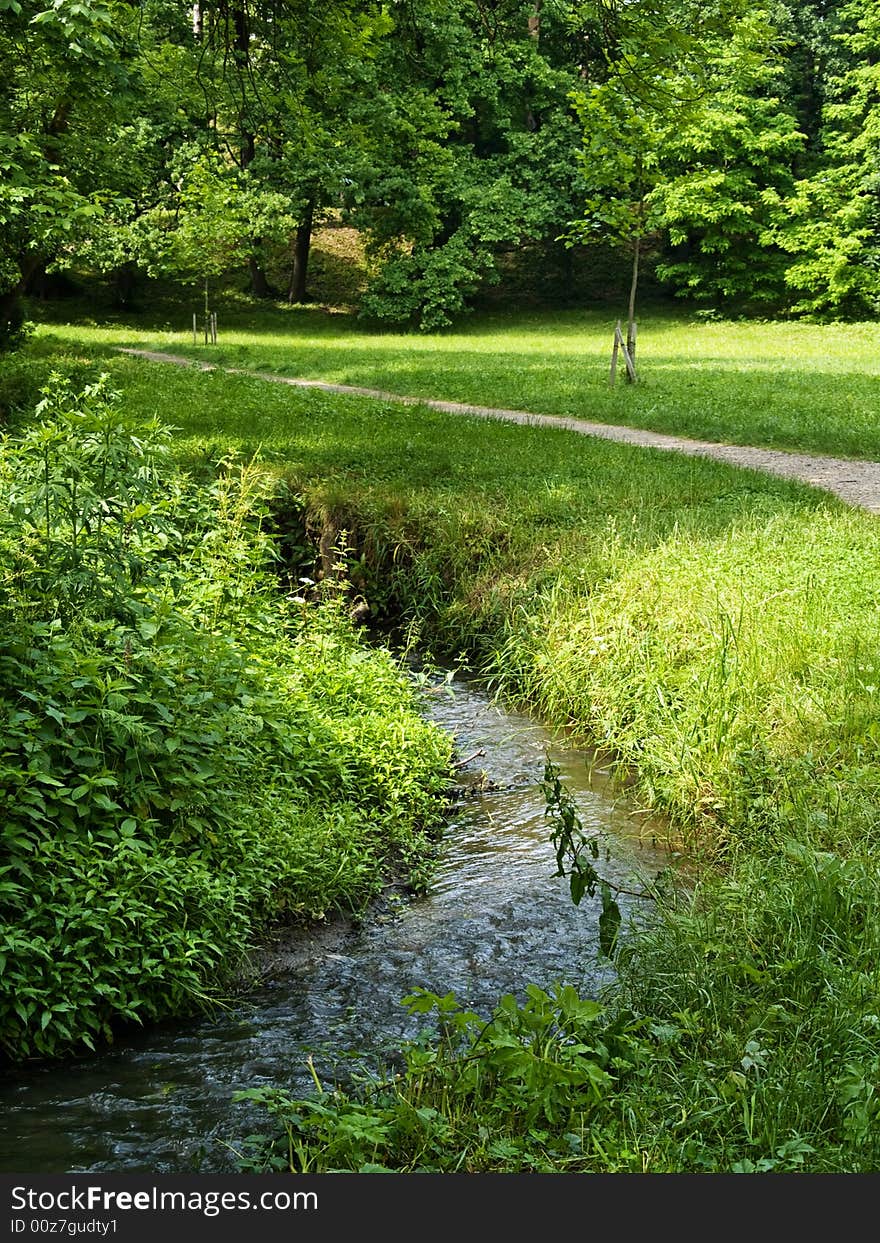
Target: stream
x=496 y=919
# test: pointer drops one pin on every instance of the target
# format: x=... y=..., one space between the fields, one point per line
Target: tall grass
x=716 y=630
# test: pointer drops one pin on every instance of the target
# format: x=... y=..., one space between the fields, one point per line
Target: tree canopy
x=735 y=147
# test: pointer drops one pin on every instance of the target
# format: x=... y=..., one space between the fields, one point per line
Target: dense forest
x=730 y=150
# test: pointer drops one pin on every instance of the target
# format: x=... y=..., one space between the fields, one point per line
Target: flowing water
x=495 y=920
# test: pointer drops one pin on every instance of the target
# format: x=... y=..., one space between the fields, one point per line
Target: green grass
x=715 y=629
x=787 y=385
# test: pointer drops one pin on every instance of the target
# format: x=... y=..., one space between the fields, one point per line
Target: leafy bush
x=430 y=286
x=526 y=1089
x=177 y=759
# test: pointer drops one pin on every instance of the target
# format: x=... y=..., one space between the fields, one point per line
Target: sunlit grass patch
x=794 y=385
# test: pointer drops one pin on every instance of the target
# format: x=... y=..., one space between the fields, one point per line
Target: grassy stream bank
x=716 y=630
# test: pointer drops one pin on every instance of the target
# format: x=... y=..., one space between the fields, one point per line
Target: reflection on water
x=496 y=919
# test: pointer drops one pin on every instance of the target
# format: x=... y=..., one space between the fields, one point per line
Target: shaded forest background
x=442 y=153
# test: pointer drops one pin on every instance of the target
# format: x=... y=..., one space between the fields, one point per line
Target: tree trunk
x=37 y=283
x=124 y=281
x=247 y=141
x=301 y=249
x=631 y=318
x=260 y=286
x=532 y=121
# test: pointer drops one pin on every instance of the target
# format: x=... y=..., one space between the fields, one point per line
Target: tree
x=622 y=165
x=473 y=150
x=691 y=157
x=832 y=227
x=65 y=75
x=281 y=81
x=729 y=174
x=738 y=147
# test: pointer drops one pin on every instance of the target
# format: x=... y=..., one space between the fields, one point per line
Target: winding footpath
x=856 y=482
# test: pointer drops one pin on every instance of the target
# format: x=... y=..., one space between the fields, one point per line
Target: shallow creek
x=495 y=920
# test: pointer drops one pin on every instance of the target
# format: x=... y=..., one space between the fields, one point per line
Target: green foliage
x=473 y=154
x=620 y=163
x=428 y=288
x=736 y=146
x=715 y=628
x=178 y=765
x=699 y=168
x=65 y=71
x=568 y=839
x=572 y=846
x=206 y=233
x=832 y=225
x=530 y=1088
x=730 y=176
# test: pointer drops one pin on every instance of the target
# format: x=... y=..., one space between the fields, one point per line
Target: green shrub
x=178 y=762
x=530 y=1088
x=429 y=287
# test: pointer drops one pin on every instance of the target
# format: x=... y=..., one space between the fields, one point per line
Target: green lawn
x=684 y=612
x=788 y=385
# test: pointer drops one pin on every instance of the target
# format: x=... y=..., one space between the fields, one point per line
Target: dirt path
x=856 y=482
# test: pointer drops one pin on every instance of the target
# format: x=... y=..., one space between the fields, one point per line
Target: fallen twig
x=476 y=755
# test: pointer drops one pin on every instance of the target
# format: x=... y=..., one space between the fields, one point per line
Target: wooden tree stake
x=630 y=365
x=631 y=347
x=621 y=345
x=618 y=337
